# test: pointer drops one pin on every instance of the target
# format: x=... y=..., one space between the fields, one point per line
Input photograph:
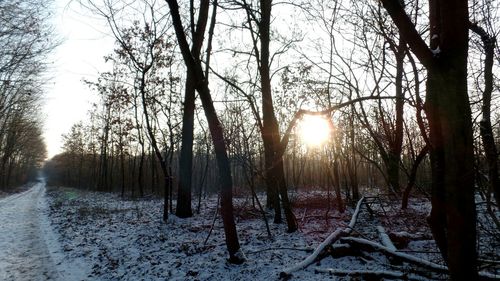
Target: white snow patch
x=23 y=255
x=125 y=239
x=67 y=269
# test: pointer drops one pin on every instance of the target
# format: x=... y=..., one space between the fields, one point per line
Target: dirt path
x=24 y=254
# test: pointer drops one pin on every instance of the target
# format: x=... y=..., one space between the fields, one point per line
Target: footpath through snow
x=28 y=247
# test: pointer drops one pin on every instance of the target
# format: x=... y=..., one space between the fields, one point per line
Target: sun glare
x=314 y=130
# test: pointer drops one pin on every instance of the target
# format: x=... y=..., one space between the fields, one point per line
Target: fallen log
x=368 y=274
x=363 y=243
x=360 y=242
x=386 y=240
x=283 y=248
x=332 y=238
x=402 y=239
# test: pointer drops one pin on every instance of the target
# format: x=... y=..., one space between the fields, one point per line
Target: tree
x=186 y=156
x=258 y=23
x=453 y=217
x=488 y=41
x=201 y=85
x=25 y=41
x=381 y=54
x=144 y=48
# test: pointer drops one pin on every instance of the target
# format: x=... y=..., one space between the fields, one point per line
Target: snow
x=386 y=241
x=28 y=247
x=127 y=240
x=332 y=238
x=70 y=234
x=425 y=263
x=380 y=274
x=68 y=269
x=374 y=245
x=356 y=213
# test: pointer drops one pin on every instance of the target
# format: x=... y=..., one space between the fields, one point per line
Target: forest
x=333 y=130
x=24 y=47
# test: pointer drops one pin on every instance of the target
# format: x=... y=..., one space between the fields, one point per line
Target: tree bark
x=396 y=143
x=352 y=168
x=275 y=175
x=184 y=208
x=226 y=190
x=453 y=215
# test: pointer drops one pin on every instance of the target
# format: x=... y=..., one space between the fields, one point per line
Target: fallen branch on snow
x=363 y=243
x=283 y=248
x=332 y=238
x=368 y=274
x=488 y=261
x=402 y=239
x=360 y=242
x=386 y=241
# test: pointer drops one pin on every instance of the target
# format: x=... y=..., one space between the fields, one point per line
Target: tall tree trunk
x=269 y=123
x=140 y=177
x=154 y=171
x=275 y=174
x=152 y=138
x=283 y=191
x=336 y=184
x=392 y=167
x=453 y=214
x=226 y=182
x=451 y=137
x=396 y=143
x=184 y=209
x=453 y=218
x=132 y=170
x=352 y=166
x=103 y=159
x=111 y=169
x=122 y=168
x=271 y=176
x=140 y=138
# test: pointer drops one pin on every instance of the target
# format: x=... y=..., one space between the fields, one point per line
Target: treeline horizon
x=306 y=169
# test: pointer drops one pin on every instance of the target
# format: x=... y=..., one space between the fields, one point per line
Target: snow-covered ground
x=125 y=239
x=70 y=234
x=28 y=247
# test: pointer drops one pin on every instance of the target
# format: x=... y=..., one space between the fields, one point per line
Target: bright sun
x=314 y=130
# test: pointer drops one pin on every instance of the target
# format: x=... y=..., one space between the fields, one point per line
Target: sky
x=84 y=42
